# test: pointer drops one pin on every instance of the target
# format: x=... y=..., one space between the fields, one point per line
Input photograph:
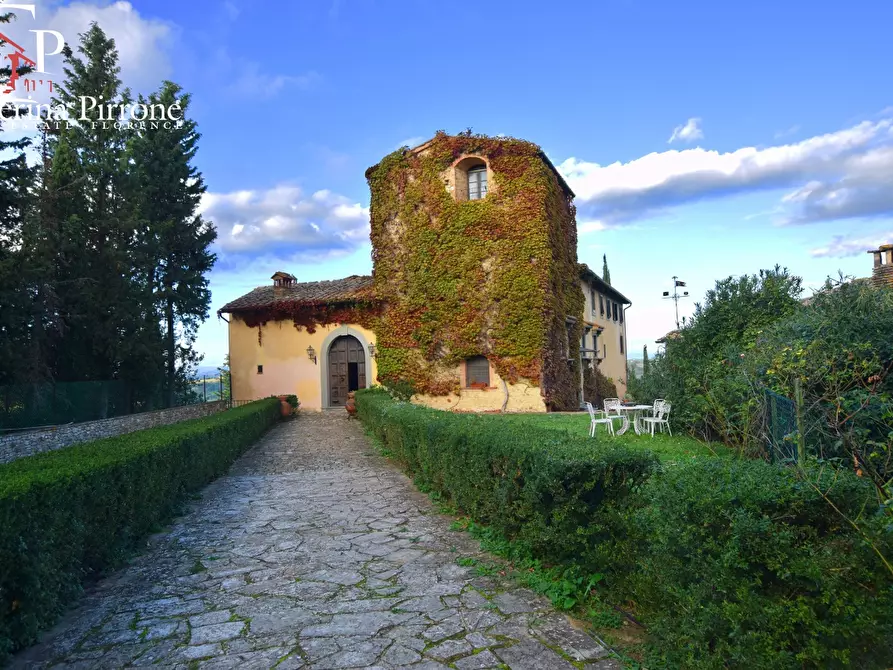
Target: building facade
x=474 y=303
x=604 y=329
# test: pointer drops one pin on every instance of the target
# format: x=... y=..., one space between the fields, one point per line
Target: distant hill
x=637 y=366
x=206 y=371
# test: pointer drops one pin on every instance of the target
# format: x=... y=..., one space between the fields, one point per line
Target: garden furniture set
x=644 y=417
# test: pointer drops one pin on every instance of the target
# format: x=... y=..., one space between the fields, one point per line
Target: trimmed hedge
x=68 y=515
x=743 y=564
x=731 y=564
x=540 y=487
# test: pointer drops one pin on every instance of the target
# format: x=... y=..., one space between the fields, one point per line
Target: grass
x=668 y=449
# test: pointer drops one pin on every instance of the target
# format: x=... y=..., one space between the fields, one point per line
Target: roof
x=672 y=335
x=349 y=289
x=542 y=155
x=603 y=286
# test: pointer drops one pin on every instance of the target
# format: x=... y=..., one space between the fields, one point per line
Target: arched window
x=477 y=182
x=470 y=179
x=477 y=372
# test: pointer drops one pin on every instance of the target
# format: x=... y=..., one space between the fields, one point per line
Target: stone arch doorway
x=346 y=369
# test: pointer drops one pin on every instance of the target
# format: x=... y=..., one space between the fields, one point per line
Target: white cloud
x=253 y=84
x=690 y=132
x=411 y=142
x=285 y=222
x=857 y=244
x=834 y=175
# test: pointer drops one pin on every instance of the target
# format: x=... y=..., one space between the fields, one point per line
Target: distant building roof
x=672 y=335
x=603 y=286
x=349 y=289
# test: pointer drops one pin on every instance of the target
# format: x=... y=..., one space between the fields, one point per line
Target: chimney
x=883 y=265
x=283 y=279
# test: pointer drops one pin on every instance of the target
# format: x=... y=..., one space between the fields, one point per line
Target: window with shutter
x=601 y=305
x=477 y=372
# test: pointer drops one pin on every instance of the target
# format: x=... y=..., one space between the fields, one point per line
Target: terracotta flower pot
x=284 y=407
x=351 y=404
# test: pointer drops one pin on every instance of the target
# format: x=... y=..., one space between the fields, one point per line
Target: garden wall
x=18 y=445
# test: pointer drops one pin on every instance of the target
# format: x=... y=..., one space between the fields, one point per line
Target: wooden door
x=347 y=369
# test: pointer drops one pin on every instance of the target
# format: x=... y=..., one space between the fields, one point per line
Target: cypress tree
x=175 y=241
x=606 y=274
x=98 y=297
x=646 y=364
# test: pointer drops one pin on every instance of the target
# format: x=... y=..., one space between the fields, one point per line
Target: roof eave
x=587 y=273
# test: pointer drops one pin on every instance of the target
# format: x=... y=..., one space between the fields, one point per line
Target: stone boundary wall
x=18 y=445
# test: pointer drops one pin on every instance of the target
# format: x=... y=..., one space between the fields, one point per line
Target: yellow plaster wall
x=522 y=397
x=283 y=353
x=614 y=363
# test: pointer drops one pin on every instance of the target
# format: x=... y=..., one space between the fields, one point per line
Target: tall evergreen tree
x=646 y=364
x=606 y=274
x=97 y=301
x=174 y=240
x=16 y=197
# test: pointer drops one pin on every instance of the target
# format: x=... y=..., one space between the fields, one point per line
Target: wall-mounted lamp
x=311 y=354
x=372 y=350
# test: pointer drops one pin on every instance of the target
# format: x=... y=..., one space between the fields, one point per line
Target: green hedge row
x=537 y=486
x=731 y=564
x=68 y=515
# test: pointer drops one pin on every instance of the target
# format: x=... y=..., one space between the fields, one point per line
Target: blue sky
x=779 y=114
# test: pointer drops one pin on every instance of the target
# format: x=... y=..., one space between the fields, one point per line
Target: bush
x=68 y=515
x=731 y=564
x=743 y=564
x=536 y=486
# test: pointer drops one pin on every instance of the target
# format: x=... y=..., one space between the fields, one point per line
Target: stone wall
x=17 y=445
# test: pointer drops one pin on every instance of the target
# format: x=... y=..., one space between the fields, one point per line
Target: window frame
x=477 y=175
x=469 y=384
x=260 y=369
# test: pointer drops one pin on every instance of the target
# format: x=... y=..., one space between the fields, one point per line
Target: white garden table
x=636 y=412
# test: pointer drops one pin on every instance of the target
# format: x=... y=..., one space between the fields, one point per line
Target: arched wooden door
x=347 y=369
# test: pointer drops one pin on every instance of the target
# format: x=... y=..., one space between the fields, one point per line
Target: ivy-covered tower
x=474 y=246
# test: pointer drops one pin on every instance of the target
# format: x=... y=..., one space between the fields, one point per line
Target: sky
x=703 y=139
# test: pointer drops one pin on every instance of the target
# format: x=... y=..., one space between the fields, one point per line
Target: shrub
x=540 y=487
x=68 y=515
x=731 y=564
x=744 y=564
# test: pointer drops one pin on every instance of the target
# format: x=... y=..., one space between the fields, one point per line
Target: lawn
x=667 y=448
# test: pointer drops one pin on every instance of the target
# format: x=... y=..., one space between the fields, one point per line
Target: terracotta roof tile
x=355 y=287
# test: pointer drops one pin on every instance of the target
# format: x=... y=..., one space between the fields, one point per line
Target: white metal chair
x=612 y=410
x=661 y=417
x=596 y=417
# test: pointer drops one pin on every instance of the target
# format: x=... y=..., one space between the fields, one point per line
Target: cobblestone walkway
x=312 y=552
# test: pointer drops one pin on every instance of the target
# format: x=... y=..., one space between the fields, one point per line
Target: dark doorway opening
x=353 y=376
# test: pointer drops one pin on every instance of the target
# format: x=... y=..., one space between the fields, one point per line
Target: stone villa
x=476 y=301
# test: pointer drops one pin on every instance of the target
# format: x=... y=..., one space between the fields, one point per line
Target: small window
x=260 y=369
x=601 y=305
x=477 y=182
x=477 y=372
x=592 y=298
x=621 y=313
x=621 y=344
x=614 y=307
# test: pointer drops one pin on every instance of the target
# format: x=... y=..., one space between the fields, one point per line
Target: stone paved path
x=312 y=552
